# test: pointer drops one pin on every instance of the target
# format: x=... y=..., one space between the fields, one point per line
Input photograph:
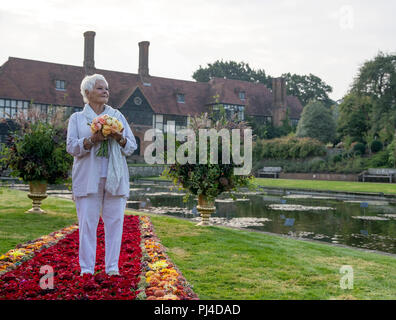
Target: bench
x=272 y=171
x=382 y=173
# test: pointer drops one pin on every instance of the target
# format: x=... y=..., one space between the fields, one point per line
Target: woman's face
x=99 y=93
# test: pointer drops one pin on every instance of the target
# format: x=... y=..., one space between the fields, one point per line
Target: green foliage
x=268 y=130
x=287 y=148
x=359 y=148
x=380 y=159
x=391 y=150
x=376 y=146
x=354 y=119
x=368 y=112
x=38 y=152
x=307 y=88
x=210 y=179
x=231 y=70
x=316 y=122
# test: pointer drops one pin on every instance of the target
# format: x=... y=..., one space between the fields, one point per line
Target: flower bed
x=24 y=252
x=160 y=278
x=145 y=270
x=24 y=281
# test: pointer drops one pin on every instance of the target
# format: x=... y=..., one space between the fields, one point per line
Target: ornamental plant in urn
x=208 y=180
x=36 y=153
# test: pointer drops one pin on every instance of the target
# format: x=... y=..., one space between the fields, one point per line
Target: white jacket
x=87 y=166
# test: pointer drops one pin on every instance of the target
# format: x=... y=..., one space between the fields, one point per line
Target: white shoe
x=113 y=273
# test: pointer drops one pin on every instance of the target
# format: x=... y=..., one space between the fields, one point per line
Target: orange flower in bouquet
x=107 y=125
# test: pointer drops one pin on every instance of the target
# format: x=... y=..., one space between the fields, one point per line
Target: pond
x=368 y=224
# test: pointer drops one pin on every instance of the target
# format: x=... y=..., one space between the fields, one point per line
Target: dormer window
x=60 y=85
x=180 y=98
x=242 y=95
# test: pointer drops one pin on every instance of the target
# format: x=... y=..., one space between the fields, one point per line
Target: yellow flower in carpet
x=170 y=271
x=58 y=235
x=159 y=265
x=149 y=273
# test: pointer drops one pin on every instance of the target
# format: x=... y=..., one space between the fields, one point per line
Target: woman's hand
x=97 y=137
x=117 y=136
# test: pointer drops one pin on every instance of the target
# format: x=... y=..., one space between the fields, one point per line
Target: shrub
x=317 y=122
x=37 y=150
x=289 y=148
x=380 y=159
x=359 y=148
x=376 y=146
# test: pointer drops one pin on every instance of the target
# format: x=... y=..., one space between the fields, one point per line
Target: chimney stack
x=89 y=46
x=143 y=59
x=279 y=100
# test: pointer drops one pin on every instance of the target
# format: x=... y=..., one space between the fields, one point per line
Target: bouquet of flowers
x=107 y=125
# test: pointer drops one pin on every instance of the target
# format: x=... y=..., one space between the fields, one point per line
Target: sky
x=330 y=39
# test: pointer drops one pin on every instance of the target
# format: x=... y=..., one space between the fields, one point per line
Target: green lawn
x=16 y=226
x=224 y=263
x=345 y=186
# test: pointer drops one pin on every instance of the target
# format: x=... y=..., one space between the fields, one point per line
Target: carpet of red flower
x=21 y=280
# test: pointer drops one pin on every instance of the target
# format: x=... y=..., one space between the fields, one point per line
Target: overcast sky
x=330 y=39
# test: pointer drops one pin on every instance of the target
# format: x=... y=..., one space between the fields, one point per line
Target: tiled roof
x=24 y=79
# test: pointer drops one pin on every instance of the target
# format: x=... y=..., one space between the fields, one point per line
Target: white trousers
x=88 y=212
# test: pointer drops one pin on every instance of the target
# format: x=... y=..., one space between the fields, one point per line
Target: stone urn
x=205 y=208
x=38 y=192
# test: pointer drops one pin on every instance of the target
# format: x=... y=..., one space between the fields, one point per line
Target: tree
x=354 y=118
x=307 y=88
x=231 y=70
x=376 y=79
x=316 y=122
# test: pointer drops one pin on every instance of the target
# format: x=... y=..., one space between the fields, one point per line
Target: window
x=7 y=110
x=158 y=121
x=242 y=95
x=180 y=98
x=231 y=110
x=241 y=113
x=2 y=103
x=60 y=85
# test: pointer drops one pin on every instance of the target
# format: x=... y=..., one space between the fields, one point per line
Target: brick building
x=145 y=100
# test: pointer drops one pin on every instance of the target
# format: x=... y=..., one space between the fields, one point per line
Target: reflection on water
x=366 y=224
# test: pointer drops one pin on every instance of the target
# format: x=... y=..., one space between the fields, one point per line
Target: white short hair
x=88 y=83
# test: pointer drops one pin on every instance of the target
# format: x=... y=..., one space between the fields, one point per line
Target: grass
x=16 y=226
x=224 y=263
x=346 y=186
x=343 y=186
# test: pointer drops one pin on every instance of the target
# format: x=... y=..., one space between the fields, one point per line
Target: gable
x=137 y=109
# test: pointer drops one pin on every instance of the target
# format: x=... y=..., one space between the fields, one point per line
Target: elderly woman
x=100 y=184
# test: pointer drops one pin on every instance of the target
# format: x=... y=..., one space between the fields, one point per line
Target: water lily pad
x=237 y=222
x=296 y=207
x=374 y=218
